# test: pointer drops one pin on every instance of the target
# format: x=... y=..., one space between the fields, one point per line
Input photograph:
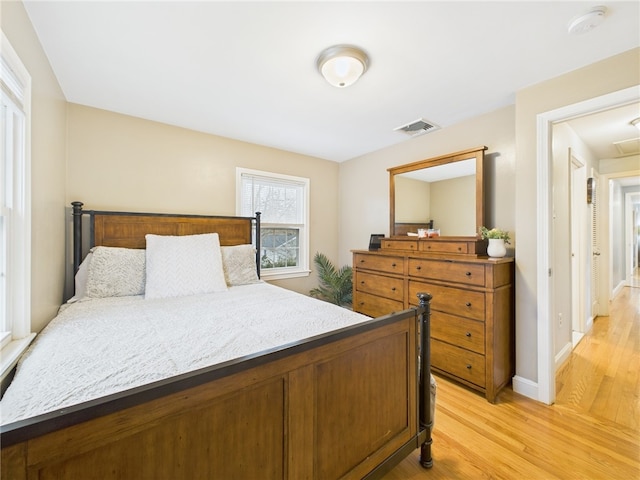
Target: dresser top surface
x=437 y=256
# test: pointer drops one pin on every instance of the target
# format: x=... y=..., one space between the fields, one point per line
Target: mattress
x=100 y=346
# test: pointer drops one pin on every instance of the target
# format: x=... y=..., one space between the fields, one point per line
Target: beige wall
x=413 y=204
x=364 y=181
x=610 y=75
x=48 y=174
x=454 y=195
x=117 y=162
x=619 y=165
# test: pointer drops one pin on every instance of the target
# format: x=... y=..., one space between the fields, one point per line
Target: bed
x=321 y=393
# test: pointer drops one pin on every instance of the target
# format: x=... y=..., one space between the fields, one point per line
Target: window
x=283 y=201
x=15 y=207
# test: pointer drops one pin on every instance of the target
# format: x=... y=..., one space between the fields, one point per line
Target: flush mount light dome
x=342 y=65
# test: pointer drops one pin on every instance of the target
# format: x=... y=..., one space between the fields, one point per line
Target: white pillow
x=239 y=262
x=183 y=265
x=115 y=272
x=80 y=280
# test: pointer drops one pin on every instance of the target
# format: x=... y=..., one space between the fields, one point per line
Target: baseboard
x=618 y=288
x=589 y=325
x=525 y=387
x=563 y=355
x=575 y=338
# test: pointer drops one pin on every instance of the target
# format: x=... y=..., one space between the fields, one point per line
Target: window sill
x=12 y=352
x=283 y=275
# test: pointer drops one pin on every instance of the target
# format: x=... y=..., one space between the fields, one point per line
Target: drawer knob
x=393 y=289
x=361 y=282
x=468 y=274
x=459 y=249
x=468 y=334
x=468 y=366
x=418 y=267
x=393 y=265
x=468 y=304
x=362 y=260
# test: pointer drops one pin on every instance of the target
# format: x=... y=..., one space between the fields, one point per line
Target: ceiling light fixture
x=587 y=21
x=342 y=65
x=636 y=122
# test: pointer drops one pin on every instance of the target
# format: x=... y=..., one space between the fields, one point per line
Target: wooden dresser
x=472 y=313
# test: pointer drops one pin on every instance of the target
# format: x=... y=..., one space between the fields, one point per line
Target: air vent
x=628 y=147
x=417 y=127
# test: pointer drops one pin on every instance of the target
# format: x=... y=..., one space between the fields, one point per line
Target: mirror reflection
x=441 y=194
x=444 y=195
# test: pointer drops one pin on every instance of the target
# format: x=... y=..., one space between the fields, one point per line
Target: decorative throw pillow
x=183 y=265
x=115 y=272
x=239 y=262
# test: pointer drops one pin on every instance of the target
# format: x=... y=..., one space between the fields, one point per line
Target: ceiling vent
x=417 y=127
x=628 y=147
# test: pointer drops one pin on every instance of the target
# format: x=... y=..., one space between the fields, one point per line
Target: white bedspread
x=102 y=346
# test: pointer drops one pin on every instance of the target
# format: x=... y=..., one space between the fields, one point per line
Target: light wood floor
x=592 y=432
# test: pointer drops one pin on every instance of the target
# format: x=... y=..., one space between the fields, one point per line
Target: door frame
x=544 y=124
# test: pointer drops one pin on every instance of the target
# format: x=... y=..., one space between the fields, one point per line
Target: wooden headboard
x=128 y=230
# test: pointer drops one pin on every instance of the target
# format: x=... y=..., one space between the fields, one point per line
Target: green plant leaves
x=335 y=285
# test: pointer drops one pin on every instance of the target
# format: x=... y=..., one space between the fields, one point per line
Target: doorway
x=546 y=319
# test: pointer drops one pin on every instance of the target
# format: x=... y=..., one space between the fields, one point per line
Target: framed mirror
x=443 y=194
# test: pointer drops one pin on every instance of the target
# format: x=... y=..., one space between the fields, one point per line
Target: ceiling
x=246 y=70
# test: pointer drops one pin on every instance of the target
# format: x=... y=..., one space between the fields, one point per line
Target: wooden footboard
x=336 y=406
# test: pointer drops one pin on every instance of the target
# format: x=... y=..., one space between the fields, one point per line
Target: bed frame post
x=258 y=242
x=77 y=234
x=426 y=420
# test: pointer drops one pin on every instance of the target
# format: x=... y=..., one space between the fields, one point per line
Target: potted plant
x=335 y=284
x=497 y=239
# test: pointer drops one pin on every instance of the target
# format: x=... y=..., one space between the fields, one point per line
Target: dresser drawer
x=457 y=361
x=458 y=331
x=374 y=305
x=379 y=263
x=468 y=273
x=386 y=287
x=455 y=301
x=438 y=246
x=411 y=245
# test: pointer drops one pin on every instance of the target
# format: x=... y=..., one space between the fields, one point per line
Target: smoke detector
x=417 y=127
x=586 y=22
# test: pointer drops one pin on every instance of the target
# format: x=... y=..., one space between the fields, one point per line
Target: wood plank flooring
x=591 y=432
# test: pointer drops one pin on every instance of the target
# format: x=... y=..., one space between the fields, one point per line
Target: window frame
x=16 y=86
x=280 y=273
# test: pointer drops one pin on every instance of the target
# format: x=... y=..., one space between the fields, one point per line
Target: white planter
x=496 y=248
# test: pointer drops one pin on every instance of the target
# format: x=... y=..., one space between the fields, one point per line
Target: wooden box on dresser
x=472 y=312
